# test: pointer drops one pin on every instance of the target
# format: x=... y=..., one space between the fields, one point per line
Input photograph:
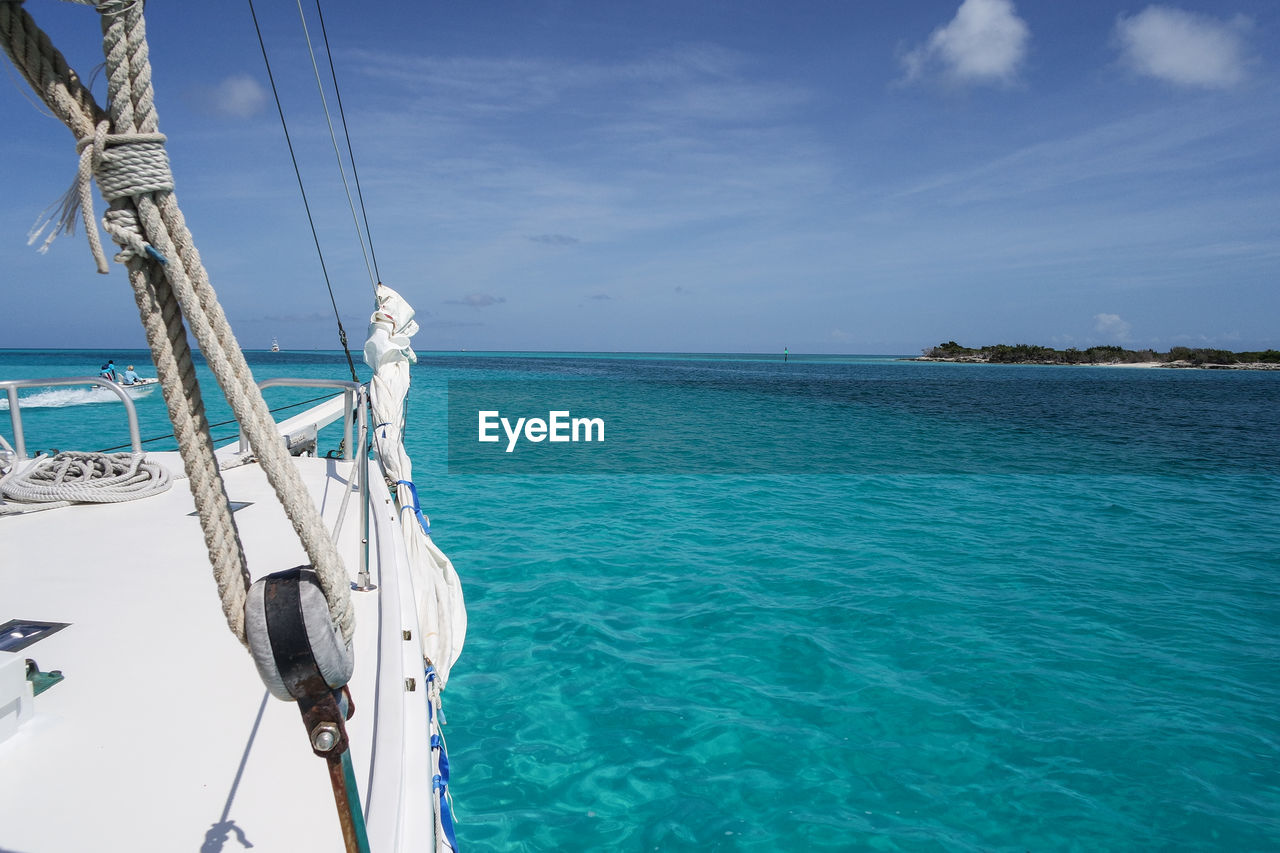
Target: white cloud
x=1184 y=48
x=986 y=42
x=478 y=300
x=554 y=239
x=239 y=96
x=1112 y=326
x=659 y=141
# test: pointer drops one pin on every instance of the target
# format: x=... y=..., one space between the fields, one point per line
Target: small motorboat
x=139 y=387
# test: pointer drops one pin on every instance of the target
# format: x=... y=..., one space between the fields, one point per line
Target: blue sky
x=863 y=177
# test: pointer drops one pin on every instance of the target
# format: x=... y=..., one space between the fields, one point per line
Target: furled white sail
x=389 y=352
x=442 y=614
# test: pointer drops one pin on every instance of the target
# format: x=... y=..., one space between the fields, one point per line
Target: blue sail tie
x=440 y=784
x=417 y=507
x=437 y=742
x=446 y=811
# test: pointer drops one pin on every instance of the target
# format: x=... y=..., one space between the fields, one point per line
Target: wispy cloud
x=665 y=142
x=1112 y=326
x=238 y=96
x=554 y=239
x=700 y=79
x=986 y=42
x=1146 y=148
x=298 y=317
x=478 y=300
x=1184 y=48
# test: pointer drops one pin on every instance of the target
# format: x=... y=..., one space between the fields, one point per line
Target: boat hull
x=161 y=704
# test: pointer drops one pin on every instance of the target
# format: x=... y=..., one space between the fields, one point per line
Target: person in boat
x=108 y=371
x=129 y=377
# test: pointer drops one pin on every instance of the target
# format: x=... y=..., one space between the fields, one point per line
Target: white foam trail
x=57 y=398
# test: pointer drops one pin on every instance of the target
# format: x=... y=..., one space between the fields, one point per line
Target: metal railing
x=355 y=399
x=11 y=387
x=350 y=390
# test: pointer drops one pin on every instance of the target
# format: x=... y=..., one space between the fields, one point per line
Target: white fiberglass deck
x=162 y=736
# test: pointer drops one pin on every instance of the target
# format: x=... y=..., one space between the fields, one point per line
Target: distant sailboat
x=275 y=345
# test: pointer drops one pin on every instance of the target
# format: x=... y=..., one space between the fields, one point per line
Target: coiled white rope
x=87 y=478
x=125 y=165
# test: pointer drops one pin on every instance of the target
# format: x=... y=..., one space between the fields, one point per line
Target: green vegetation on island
x=1032 y=354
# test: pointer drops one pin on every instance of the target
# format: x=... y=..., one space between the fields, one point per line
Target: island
x=1103 y=356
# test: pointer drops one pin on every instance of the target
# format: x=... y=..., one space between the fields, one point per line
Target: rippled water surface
x=952 y=608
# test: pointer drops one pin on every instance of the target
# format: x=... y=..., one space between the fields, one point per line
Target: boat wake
x=58 y=398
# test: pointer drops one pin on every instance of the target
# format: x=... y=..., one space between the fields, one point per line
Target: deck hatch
x=236 y=506
x=17 y=634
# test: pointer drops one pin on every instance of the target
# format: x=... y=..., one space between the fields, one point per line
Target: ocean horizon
x=107 y=352
x=836 y=602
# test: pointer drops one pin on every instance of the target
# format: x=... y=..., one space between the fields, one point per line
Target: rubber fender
x=332 y=657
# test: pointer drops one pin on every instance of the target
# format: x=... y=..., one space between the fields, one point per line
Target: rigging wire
x=337 y=153
x=351 y=152
x=211 y=426
x=342 y=333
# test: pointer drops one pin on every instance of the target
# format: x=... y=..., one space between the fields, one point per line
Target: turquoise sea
x=844 y=603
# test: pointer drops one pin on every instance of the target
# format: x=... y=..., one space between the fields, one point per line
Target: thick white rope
x=87 y=478
x=125 y=165
x=170 y=286
x=60 y=88
x=133 y=111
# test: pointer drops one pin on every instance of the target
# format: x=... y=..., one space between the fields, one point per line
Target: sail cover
x=442 y=614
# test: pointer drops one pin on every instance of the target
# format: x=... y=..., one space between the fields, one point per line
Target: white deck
x=161 y=736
